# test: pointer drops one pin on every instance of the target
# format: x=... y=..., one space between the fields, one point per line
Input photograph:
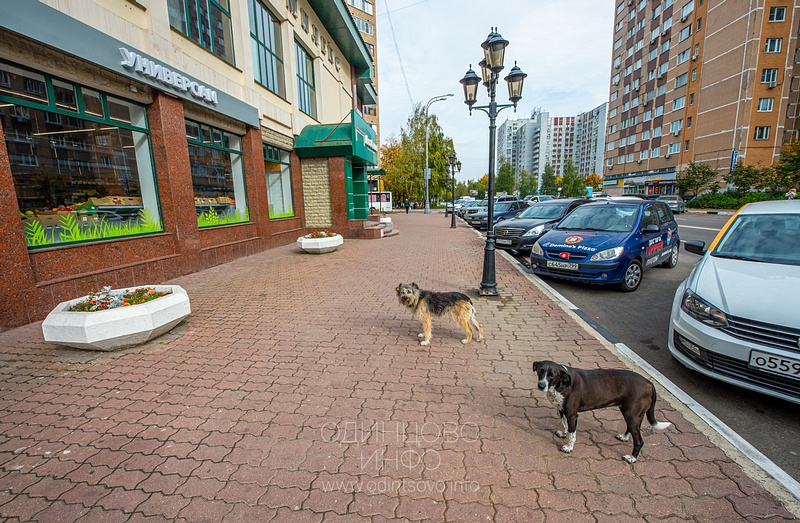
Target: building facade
x=590 y=141
x=704 y=81
x=144 y=140
x=363 y=12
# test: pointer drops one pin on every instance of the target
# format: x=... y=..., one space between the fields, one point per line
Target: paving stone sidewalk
x=297 y=392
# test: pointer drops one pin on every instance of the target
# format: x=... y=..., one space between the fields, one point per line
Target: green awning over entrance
x=355 y=139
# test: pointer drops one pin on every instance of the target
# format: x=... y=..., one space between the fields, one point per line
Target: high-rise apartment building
x=704 y=81
x=590 y=141
x=562 y=142
x=363 y=12
x=535 y=142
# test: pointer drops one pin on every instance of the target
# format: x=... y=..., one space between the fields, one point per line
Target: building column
x=17 y=283
x=256 y=180
x=171 y=155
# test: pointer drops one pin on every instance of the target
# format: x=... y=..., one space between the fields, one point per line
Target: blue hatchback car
x=612 y=241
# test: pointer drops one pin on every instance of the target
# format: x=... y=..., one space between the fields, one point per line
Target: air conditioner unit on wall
x=664 y=32
x=694 y=57
x=666 y=156
x=683 y=18
x=675 y=133
x=771 y=84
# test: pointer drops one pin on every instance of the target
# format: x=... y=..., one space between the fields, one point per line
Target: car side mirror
x=695 y=246
x=651 y=228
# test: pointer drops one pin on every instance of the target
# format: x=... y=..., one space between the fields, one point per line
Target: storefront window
x=217 y=175
x=79 y=174
x=279 y=182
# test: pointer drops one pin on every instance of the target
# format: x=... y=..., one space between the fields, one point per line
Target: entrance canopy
x=352 y=137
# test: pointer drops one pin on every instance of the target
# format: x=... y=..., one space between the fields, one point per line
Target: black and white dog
x=578 y=390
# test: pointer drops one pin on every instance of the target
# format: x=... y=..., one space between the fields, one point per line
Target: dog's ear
x=564 y=379
x=536 y=366
x=415 y=286
x=397 y=289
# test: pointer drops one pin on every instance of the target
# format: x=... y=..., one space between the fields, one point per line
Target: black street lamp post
x=455 y=165
x=494 y=53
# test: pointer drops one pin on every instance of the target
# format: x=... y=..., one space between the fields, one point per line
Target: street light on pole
x=455 y=164
x=427 y=171
x=494 y=53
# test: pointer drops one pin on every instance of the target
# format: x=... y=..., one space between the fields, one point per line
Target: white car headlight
x=536 y=231
x=608 y=254
x=537 y=249
x=701 y=310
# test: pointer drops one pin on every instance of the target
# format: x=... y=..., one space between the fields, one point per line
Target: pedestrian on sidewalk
x=407 y=205
x=792 y=194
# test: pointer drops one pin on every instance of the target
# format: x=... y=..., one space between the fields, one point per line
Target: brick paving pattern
x=297 y=392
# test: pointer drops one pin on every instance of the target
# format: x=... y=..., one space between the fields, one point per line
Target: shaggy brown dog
x=425 y=304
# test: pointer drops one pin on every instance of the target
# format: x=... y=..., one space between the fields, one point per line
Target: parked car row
x=733 y=319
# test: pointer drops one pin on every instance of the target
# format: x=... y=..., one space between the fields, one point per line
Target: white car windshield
x=768 y=238
x=610 y=218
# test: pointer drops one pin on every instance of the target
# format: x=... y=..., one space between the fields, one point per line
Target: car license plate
x=503 y=242
x=562 y=265
x=770 y=362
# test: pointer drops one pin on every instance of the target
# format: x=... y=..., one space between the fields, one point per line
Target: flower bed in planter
x=320 y=242
x=116 y=328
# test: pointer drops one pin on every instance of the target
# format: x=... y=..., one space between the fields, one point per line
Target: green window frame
x=206 y=22
x=306 y=93
x=278 y=167
x=218 y=180
x=265 y=40
x=81 y=160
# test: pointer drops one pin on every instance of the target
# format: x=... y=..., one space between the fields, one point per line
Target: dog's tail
x=651 y=413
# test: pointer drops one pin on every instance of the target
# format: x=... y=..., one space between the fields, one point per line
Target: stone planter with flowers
x=320 y=242
x=113 y=319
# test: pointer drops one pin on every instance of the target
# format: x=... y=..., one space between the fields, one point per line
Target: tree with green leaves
x=527 y=183
x=787 y=168
x=572 y=182
x=697 y=178
x=505 y=179
x=745 y=178
x=404 y=159
x=549 y=181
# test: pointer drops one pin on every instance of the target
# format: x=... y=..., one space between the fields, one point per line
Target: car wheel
x=672 y=261
x=633 y=277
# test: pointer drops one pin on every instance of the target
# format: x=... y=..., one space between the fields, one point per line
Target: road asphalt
x=297 y=391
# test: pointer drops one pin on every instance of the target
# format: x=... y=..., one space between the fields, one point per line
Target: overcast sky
x=563 y=46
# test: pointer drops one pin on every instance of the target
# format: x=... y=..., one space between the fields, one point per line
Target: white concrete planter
x=320 y=245
x=120 y=327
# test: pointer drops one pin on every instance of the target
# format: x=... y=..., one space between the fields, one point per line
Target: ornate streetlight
x=494 y=48
x=455 y=165
x=426 y=171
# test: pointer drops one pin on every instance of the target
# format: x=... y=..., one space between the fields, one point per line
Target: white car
x=736 y=318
